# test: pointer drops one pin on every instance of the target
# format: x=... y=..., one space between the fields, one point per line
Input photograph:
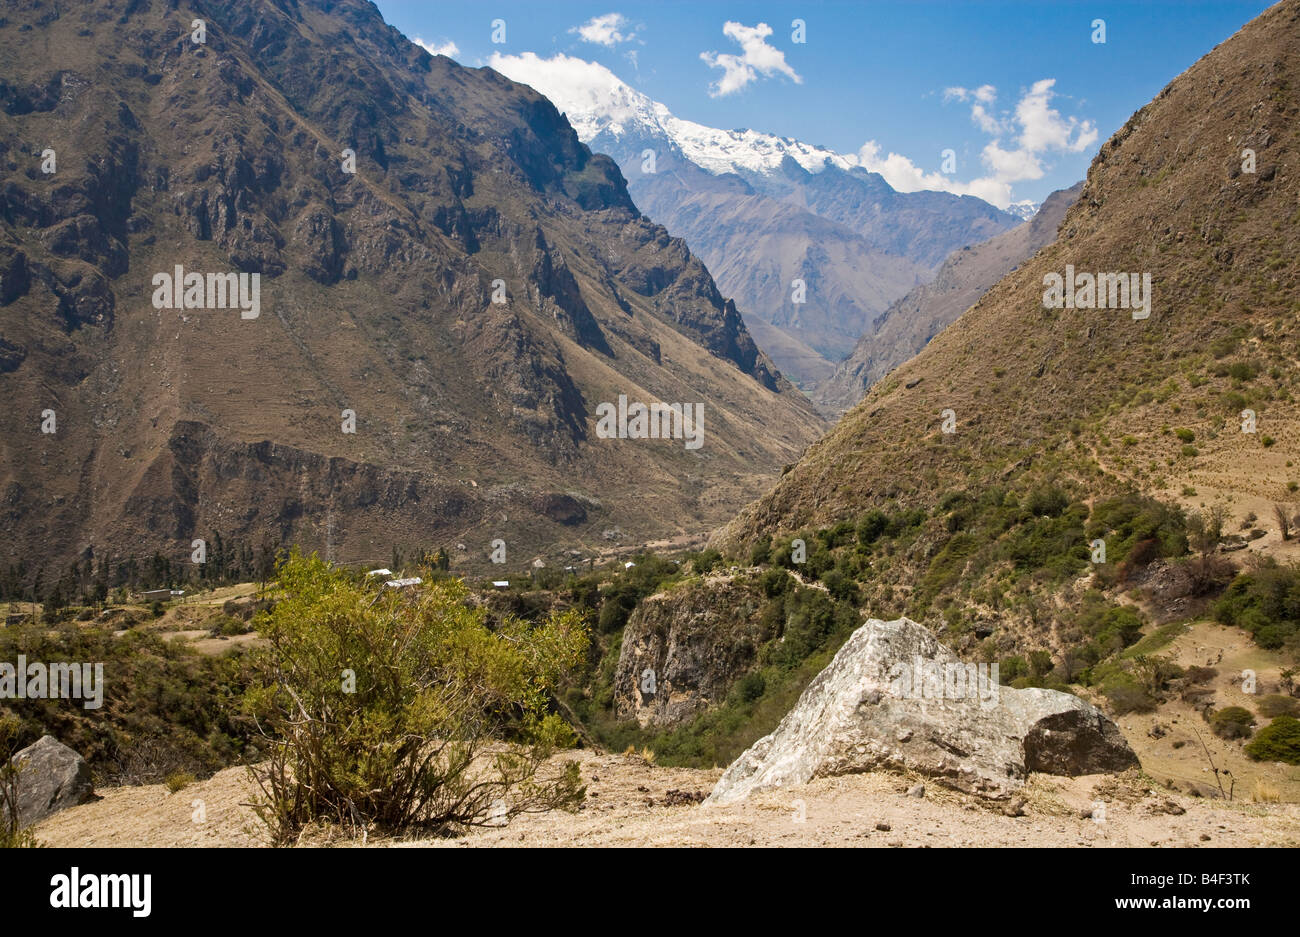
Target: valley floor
x=626 y=806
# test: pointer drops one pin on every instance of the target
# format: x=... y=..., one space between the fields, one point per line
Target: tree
x=1204 y=532
x=401 y=709
x=1283 y=522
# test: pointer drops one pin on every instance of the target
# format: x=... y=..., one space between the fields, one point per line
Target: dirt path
x=626 y=806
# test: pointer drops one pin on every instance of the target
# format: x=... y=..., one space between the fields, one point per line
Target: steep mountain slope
x=910 y=322
x=763 y=211
x=1091 y=398
x=474 y=419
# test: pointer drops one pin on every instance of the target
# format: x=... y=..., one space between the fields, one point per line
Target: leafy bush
x=873 y=524
x=1131 y=520
x=404 y=710
x=705 y=561
x=1232 y=722
x=178 y=780
x=1277 y=741
x=751 y=686
x=775 y=582
x=1265 y=602
x=1126 y=696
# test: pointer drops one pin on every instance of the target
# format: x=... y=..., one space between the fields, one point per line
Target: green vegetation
x=404 y=711
x=11 y=837
x=1232 y=722
x=1277 y=741
x=166 y=708
x=1266 y=602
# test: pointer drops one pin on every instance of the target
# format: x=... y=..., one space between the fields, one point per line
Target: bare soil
x=629 y=804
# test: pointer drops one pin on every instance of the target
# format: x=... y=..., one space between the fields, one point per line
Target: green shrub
x=1277 y=741
x=1125 y=696
x=404 y=711
x=1265 y=602
x=1232 y=722
x=872 y=526
x=751 y=686
x=11 y=837
x=178 y=780
x=705 y=561
x=774 y=582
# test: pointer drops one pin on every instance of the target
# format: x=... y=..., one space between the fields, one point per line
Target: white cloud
x=757 y=57
x=1043 y=128
x=984 y=94
x=448 y=48
x=587 y=92
x=1034 y=126
x=607 y=30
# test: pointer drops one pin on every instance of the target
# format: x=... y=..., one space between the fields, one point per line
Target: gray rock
x=893 y=677
x=916 y=790
x=51 y=778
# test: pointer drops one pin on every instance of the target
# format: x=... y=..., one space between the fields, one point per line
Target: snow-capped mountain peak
x=596 y=101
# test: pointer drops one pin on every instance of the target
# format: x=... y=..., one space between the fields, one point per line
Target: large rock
x=683 y=649
x=51 y=777
x=894 y=697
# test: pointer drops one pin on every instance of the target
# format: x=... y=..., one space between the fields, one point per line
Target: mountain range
x=764 y=212
x=1193 y=403
x=903 y=329
x=451 y=284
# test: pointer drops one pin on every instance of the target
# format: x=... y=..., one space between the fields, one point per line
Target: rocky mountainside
x=1199 y=191
x=763 y=211
x=907 y=325
x=433 y=332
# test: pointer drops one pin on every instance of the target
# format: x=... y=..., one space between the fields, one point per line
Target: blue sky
x=1020 y=91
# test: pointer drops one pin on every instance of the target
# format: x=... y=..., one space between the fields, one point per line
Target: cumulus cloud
x=1043 y=128
x=608 y=30
x=756 y=58
x=448 y=48
x=587 y=92
x=1033 y=129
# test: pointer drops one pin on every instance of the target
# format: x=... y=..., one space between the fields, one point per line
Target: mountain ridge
x=764 y=211
x=472 y=418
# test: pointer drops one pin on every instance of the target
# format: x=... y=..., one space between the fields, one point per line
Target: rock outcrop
x=894 y=697
x=684 y=649
x=51 y=777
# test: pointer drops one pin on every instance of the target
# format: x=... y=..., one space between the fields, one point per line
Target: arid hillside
x=903 y=329
x=1096 y=396
x=450 y=285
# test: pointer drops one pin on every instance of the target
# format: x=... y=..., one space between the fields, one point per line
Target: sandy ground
x=1180 y=750
x=626 y=806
